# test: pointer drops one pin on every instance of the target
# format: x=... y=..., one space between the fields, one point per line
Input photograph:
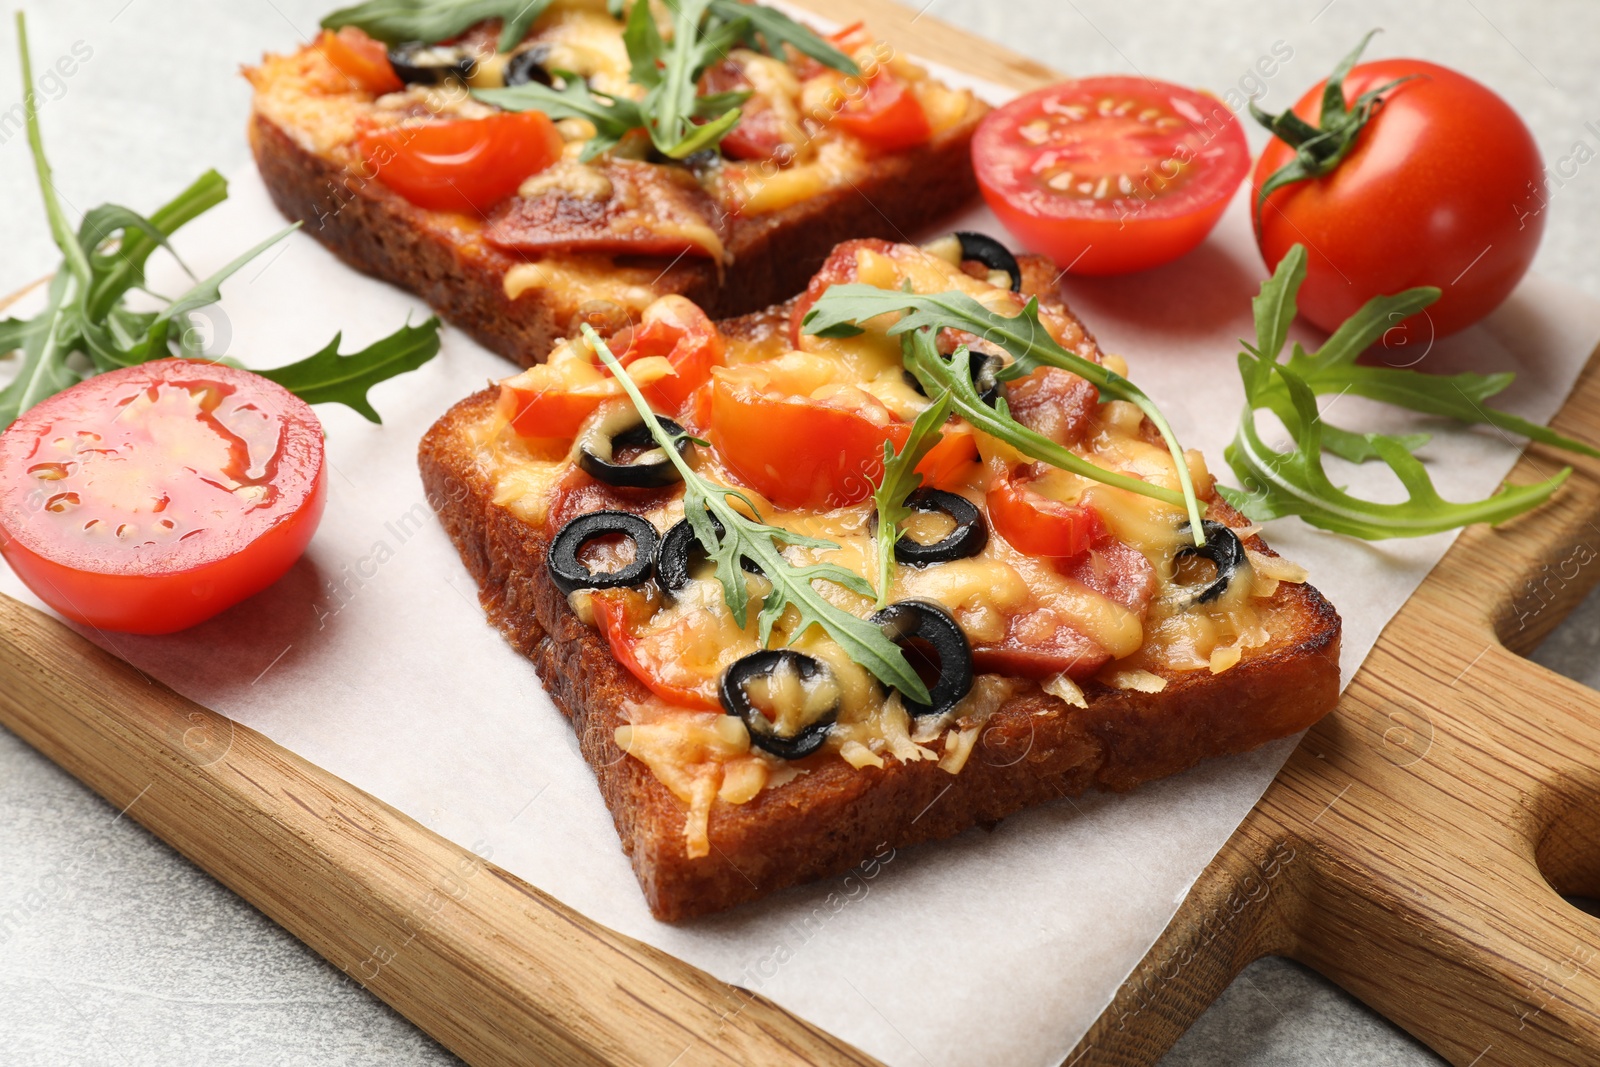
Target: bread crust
x=380 y=233
x=1034 y=748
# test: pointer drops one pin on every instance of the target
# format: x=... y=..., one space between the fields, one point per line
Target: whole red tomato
x=1442 y=187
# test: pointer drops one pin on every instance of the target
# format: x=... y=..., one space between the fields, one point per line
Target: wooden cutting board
x=1413 y=849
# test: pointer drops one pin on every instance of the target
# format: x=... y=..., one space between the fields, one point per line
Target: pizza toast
x=1018 y=738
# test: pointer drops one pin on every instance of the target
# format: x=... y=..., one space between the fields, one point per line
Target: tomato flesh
x=1037 y=525
x=879 y=108
x=463 y=165
x=611 y=619
x=799 y=452
x=886 y=115
x=552 y=399
x=148 y=499
x=1444 y=187
x=675 y=328
x=1111 y=174
x=361 y=59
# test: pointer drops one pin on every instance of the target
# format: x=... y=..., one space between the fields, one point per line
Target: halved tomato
x=361 y=59
x=1111 y=174
x=150 y=498
x=463 y=165
x=803 y=451
x=551 y=399
x=673 y=327
x=1037 y=525
x=796 y=450
x=611 y=618
x=879 y=108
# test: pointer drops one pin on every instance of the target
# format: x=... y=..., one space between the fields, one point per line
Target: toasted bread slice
x=302 y=130
x=1032 y=748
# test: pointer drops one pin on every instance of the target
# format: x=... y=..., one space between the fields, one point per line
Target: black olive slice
x=992 y=254
x=527 y=66
x=569 y=573
x=967 y=539
x=431 y=64
x=678 y=550
x=763 y=731
x=1223 y=548
x=985 y=367
x=926 y=621
x=625 y=428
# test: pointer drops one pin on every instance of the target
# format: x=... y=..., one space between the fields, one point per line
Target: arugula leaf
x=116 y=273
x=770 y=29
x=14 y=333
x=84 y=313
x=204 y=293
x=44 y=371
x=900 y=480
x=1294 y=482
x=432 y=21
x=77 y=261
x=1333 y=367
x=680 y=122
x=326 y=377
x=613 y=117
x=671 y=71
x=1023 y=336
x=742 y=536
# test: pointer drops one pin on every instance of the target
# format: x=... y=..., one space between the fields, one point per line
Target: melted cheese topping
x=1001 y=595
x=304 y=94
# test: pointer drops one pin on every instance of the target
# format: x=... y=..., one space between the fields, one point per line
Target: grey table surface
x=115 y=950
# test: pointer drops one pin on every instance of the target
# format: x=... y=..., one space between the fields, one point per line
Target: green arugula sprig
x=742 y=537
x=678 y=120
x=900 y=479
x=431 y=21
x=843 y=307
x=87 y=328
x=769 y=29
x=1333 y=368
x=1294 y=482
x=326 y=377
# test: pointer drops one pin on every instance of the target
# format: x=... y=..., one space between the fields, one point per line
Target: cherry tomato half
x=1111 y=174
x=675 y=328
x=1037 y=525
x=796 y=451
x=361 y=59
x=1444 y=187
x=150 y=498
x=879 y=108
x=642 y=659
x=464 y=165
x=801 y=452
x=552 y=399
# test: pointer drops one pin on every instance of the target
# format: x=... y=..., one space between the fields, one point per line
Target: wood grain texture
x=493 y=968
x=1414 y=847
x=1399 y=852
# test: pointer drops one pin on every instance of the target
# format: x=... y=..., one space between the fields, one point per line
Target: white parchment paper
x=373 y=660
